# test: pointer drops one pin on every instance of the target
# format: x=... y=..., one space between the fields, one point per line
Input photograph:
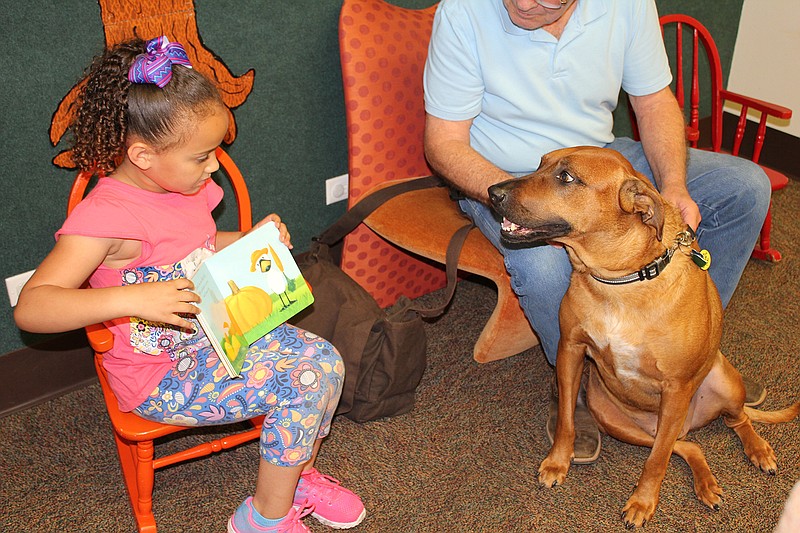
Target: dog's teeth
x=508 y=225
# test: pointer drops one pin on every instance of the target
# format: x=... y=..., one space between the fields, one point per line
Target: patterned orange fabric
x=383 y=50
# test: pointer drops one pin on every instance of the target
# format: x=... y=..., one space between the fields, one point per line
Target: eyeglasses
x=552 y=4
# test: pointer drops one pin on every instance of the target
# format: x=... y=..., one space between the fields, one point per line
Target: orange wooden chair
x=401 y=247
x=688 y=93
x=133 y=435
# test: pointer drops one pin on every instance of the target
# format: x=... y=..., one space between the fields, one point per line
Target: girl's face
x=184 y=168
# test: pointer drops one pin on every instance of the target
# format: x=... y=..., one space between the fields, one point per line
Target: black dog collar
x=651 y=270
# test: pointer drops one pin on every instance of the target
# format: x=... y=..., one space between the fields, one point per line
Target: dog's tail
x=773 y=417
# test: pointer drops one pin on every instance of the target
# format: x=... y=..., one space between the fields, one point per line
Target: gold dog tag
x=701 y=259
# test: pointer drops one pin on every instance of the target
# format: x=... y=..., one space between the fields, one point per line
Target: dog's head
x=577 y=192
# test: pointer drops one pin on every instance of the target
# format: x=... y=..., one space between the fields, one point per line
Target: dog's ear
x=636 y=197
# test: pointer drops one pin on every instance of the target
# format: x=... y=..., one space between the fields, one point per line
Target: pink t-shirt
x=169 y=226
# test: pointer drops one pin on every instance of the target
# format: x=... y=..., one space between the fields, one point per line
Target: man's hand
x=679 y=197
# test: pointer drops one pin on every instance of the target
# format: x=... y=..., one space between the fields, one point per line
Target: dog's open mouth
x=512 y=232
x=511 y=229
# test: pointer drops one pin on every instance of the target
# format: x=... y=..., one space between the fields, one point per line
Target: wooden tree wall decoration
x=125 y=19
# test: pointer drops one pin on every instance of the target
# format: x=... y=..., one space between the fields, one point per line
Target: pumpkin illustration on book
x=247 y=307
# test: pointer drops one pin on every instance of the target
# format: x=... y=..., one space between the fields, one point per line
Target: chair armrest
x=769 y=108
x=100 y=338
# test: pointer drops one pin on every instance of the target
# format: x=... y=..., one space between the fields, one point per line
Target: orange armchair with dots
x=400 y=248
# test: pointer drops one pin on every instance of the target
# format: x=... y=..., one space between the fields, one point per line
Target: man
x=507 y=81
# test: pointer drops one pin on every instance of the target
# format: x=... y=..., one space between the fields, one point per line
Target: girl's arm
x=224 y=238
x=53 y=301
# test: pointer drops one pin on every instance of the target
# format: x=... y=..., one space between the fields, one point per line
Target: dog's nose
x=497 y=194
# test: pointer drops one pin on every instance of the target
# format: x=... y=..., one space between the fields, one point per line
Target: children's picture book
x=248 y=288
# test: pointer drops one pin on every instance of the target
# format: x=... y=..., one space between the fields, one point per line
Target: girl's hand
x=224 y=238
x=285 y=238
x=164 y=301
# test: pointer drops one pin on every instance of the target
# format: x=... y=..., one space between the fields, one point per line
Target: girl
x=151 y=124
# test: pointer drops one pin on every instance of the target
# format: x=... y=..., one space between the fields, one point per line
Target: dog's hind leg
x=726 y=382
x=756 y=448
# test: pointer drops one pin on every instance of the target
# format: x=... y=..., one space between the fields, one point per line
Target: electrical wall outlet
x=14 y=286
x=336 y=189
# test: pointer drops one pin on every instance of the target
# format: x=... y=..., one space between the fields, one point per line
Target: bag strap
x=356 y=215
x=451 y=271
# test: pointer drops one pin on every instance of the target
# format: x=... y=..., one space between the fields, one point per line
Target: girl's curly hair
x=111 y=109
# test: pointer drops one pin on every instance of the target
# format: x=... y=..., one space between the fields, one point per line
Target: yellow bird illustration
x=268 y=262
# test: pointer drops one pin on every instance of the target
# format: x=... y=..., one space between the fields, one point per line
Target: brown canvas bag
x=384 y=350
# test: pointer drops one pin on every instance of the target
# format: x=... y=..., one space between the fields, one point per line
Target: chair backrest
x=383 y=50
x=245 y=213
x=690 y=36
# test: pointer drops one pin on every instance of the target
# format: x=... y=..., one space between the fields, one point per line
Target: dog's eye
x=565 y=177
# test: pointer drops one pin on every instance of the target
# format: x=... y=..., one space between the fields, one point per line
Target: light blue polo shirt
x=529 y=93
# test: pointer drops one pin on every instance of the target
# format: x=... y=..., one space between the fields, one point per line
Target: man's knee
x=756 y=185
x=722 y=180
x=747 y=175
x=749 y=185
x=543 y=271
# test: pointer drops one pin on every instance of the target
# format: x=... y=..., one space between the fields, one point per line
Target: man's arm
x=663 y=134
x=450 y=155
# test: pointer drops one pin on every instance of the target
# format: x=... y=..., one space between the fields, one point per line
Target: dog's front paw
x=553 y=471
x=638 y=511
x=708 y=491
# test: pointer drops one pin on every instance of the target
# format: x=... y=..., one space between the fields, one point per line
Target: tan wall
x=766 y=58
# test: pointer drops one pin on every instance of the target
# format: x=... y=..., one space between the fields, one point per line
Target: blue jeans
x=732 y=193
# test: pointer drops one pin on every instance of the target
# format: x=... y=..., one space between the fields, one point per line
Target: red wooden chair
x=134 y=436
x=383 y=50
x=688 y=94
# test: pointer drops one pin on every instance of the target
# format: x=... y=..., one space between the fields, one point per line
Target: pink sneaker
x=242 y=520
x=331 y=504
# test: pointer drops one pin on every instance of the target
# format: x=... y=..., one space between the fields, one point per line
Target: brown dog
x=657 y=371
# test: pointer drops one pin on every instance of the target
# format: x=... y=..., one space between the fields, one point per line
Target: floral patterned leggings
x=290 y=375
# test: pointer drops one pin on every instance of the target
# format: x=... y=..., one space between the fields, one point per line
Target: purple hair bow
x=155 y=66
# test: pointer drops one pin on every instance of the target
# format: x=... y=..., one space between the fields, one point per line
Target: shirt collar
x=585 y=12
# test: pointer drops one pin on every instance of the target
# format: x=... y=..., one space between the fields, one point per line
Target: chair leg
x=144 y=478
x=258 y=421
x=507 y=332
x=133 y=458
x=763 y=250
